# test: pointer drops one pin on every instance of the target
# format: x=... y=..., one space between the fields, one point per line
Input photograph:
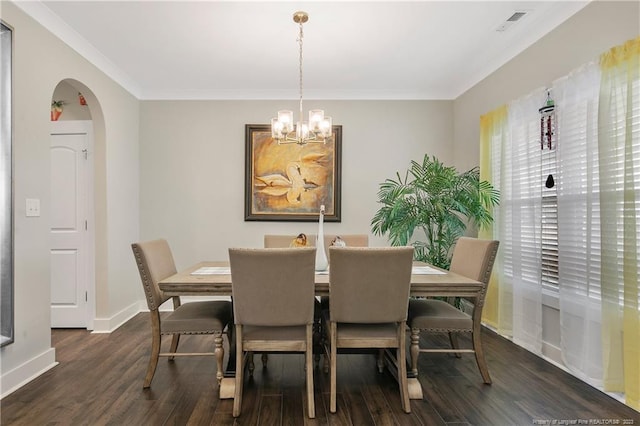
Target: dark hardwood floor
x=99 y=382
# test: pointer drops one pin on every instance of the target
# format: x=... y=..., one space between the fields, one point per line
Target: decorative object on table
x=322 y=263
x=338 y=242
x=56 y=109
x=288 y=183
x=81 y=99
x=436 y=200
x=299 y=241
x=548 y=124
x=318 y=129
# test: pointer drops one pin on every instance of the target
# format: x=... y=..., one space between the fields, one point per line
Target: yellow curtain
x=619 y=157
x=492 y=131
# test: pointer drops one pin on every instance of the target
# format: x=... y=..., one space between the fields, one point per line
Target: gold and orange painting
x=290 y=182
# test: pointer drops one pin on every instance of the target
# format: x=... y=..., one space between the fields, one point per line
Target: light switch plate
x=33 y=207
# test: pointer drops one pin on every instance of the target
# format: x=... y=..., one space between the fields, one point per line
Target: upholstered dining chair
x=368 y=298
x=472 y=258
x=155 y=263
x=273 y=296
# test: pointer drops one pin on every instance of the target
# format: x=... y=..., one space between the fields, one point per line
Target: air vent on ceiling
x=516 y=16
x=511 y=20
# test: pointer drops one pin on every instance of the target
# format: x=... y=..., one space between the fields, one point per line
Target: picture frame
x=289 y=182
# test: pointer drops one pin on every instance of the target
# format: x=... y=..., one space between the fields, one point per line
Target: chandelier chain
x=300 y=37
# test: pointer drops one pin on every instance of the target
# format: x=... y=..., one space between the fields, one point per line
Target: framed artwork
x=290 y=182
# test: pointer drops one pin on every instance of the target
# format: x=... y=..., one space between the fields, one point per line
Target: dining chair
x=368 y=298
x=155 y=263
x=284 y=241
x=472 y=258
x=273 y=295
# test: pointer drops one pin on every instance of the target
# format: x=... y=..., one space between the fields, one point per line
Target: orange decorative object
x=81 y=98
x=55 y=114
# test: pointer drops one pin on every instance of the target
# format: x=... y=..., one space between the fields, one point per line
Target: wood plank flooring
x=99 y=382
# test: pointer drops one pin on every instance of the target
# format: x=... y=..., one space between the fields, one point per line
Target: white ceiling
x=248 y=50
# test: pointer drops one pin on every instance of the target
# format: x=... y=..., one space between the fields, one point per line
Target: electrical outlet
x=33 y=207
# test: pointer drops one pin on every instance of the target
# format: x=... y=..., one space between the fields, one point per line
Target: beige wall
x=192 y=166
x=40 y=62
x=590 y=32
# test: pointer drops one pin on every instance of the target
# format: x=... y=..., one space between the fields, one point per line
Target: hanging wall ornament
x=550 y=183
x=548 y=124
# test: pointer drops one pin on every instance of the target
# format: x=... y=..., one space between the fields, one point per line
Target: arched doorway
x=75 y=152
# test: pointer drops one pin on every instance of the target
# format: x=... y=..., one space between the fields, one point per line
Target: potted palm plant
x=436 y=200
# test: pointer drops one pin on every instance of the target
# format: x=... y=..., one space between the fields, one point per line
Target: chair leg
x=175 y=339
x=156 y=339
x=251 y=365
x=237 y=397
x=402 y=369
x=317 y=341
x=415 y=350
x=332 y=368
x=479 y=352
x=219 y=351
x=309 y=365
x=453 y=338
x=265 y=359
x=380 y=361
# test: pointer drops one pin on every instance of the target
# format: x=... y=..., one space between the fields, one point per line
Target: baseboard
x=551 y=352
x=107 y=325
x=24 y=373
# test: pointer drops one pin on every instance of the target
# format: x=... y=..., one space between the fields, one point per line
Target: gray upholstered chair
x=472 y=258
x=155 y=263
x=273 y=296
x=369 y=294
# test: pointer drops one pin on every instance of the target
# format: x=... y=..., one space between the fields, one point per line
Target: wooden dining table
x=213 y=278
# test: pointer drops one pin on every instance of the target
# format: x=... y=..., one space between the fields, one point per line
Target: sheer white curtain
x=520 y=217
x=619 y=156
x=576 y=99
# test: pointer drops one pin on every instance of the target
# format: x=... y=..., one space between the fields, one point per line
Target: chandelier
x=318 y=129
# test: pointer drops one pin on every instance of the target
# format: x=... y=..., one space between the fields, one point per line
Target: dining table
x=213 y=278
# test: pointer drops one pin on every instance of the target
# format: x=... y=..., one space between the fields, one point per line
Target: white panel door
x=70 y=260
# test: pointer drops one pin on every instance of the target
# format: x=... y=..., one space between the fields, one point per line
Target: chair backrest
x=273 y=286
x=474 y=259
x=352 y=240
x=155 y=263
x=369 y=285
x=283 y=241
